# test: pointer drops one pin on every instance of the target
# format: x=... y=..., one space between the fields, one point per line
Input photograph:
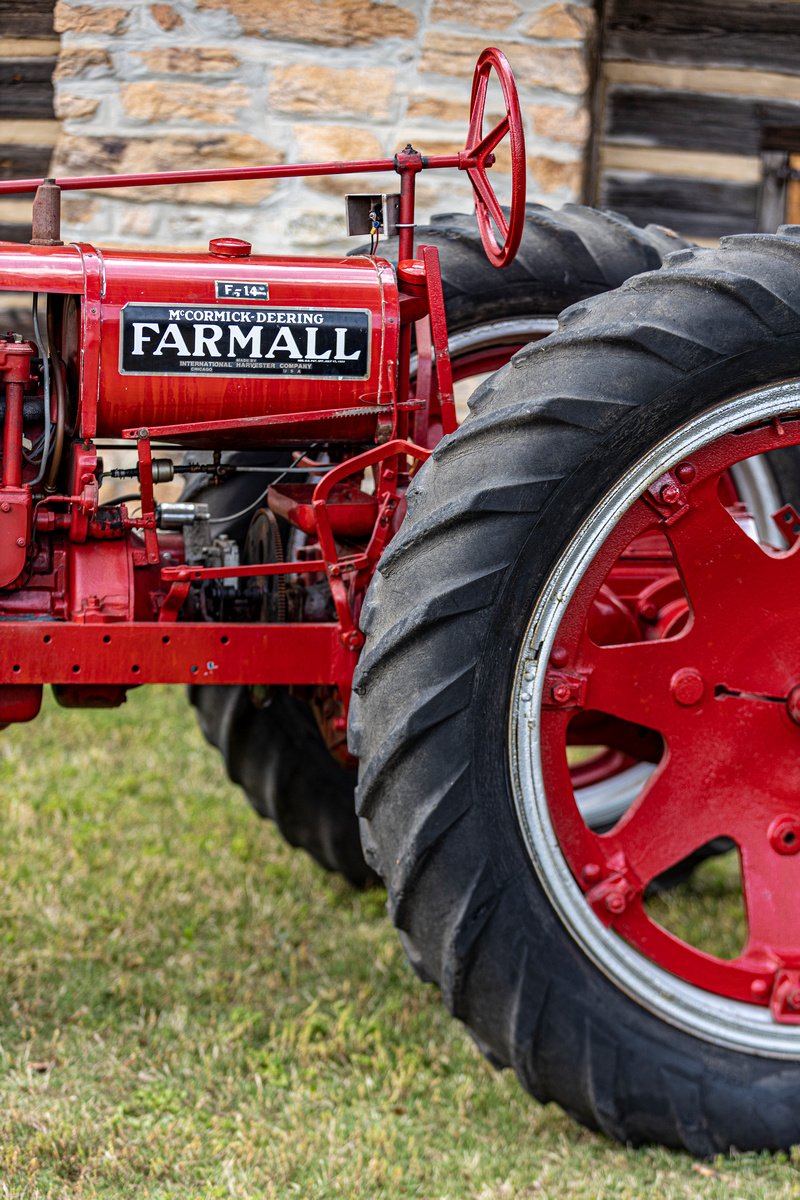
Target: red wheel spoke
x=635 y=682
x=665 y=823
x=715 y=698
x=716 y=558
x=483 y=188
x=493 y=138
x=771 y=884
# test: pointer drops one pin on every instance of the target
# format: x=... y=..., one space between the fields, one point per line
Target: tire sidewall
x=585 y=992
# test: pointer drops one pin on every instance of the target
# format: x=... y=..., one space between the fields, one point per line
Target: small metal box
x=358 y=207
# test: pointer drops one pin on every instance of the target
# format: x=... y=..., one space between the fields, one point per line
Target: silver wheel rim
x=715 y=1019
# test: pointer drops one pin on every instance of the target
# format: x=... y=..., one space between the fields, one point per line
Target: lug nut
x=616 y=903
x=670 y=493
x=561 y=693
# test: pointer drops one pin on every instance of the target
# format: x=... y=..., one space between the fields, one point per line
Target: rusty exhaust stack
x=46 y=218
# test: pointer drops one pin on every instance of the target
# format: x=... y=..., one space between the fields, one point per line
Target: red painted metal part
x=444 y=401
x=188 y=652
x=477 y=156
x=186 y=284
x=96 y=598
x=718 y=688
x=480 y=150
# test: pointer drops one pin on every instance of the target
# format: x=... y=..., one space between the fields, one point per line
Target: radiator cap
x=228 y=247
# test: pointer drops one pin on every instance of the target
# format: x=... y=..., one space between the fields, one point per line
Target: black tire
x=490 y=516
x=277 y=756
x=566 y=254
x=277 y=753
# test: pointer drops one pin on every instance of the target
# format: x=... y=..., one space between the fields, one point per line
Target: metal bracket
x=785 y=999
x=563 y=691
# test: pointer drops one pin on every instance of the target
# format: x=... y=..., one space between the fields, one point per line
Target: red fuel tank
x=196 y=338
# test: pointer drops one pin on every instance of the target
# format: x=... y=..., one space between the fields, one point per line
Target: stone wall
x=198 y=83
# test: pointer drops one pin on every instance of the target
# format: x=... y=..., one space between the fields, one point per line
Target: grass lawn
x=189 y=1009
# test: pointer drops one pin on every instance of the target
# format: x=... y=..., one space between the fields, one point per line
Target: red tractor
x=563 y=629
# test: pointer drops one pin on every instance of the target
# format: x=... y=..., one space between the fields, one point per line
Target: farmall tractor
x=566 y=631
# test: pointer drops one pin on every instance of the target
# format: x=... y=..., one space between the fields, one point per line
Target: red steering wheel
x=479 y=154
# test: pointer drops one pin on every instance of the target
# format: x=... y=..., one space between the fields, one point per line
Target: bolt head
x=793 y=704
x=687 y=686
x=670 y=493
x=615 y=902
x=559 y=656
x=686 y=472
x=759 y=987
x=561 y=693
x=5 y=506
x=784 y=834
x=21 y=541
x=590 y=873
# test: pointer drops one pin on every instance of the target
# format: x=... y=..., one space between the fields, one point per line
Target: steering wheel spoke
x=485 y=195
x=492 y=139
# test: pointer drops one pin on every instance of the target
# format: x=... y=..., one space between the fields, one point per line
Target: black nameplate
x=161 y=339
x=238 y=289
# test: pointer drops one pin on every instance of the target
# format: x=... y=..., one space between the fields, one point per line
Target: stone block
x=74 y=108
x=335 y=143
x=87 y=18
x=573 y=21
x=182 y=102
x=80 y=155
x=189 y=60
x=551 y=175
x=314 y=91
x=561 y=124
x=488 y=14
x=166 y=17
x=320 y=22
x=561 y=68
x=82 y=62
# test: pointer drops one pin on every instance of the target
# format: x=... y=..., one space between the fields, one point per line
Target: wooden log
x=722 y=81
x=27 y=86
x=693 y=121
x=684 y=164
x=694 y=207
x=14 y=233
x=33 y=19
x=24 y=162
x=706 y=32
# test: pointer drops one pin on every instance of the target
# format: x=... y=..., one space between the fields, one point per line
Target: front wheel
x=578 y=575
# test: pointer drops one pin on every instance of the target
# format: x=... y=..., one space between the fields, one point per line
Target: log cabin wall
x=28 y=127
x=697 y=113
